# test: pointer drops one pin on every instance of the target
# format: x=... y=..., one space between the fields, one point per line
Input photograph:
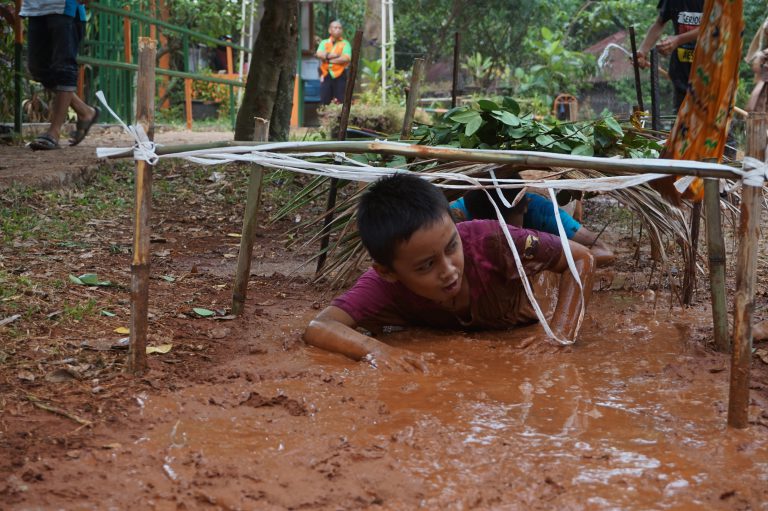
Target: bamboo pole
x=188 y=101
x=746 y=265
x=655 y=107
x=636 y=66
x=455 y=81
x=522 y=158
x=417 y=74
x=18 y=42
x=145 y=109
x=343 y=123
x=716 y=252
x=248 y=236
x=689 y=279
x=127 y=53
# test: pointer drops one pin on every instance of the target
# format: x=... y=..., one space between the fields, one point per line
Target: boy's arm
x=568 y=297
x=334 y=330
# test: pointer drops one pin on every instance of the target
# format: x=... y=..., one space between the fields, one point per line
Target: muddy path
x=241 y=414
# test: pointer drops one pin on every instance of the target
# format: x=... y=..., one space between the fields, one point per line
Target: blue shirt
x=45 y=7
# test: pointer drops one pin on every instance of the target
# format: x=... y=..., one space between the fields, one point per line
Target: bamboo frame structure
x=145 y=111
x=248 y=234
x=636 y=67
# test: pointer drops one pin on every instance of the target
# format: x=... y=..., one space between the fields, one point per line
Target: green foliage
x=479 y=69
x=213 y=18
x=487 y=124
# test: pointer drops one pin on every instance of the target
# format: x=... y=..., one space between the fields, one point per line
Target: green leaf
x=510 y=104
x=545 y=140
x=171 y=278
x=583 y=150
x=108 y=314
x=465 y=116
x=506 y=118
x=546 y=33
x=89 y=279
x=473 y=126
x=614 y=126
x=487 y=105
x=203 y=312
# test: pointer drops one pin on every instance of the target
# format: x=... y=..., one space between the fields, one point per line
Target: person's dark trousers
x=331 y=88
x=53 y=43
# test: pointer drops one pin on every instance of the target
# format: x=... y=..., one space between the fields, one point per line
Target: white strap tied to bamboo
x=143 y=148
x=755 y=172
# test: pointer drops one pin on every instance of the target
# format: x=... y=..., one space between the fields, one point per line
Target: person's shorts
x=540 y=216
x=53 y=43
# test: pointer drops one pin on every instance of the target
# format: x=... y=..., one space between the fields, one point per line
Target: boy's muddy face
x=431 y=263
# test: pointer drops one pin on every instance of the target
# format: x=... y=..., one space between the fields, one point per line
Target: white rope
x=143 y=149
x=755 y=172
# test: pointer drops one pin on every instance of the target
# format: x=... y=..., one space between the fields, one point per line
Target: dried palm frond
x=345 y=255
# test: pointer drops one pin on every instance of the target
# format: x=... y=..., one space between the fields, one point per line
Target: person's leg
x=340 y=87
x=326 y=90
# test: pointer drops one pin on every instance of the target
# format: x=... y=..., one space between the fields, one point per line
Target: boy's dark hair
x=479 y=205
x=393 y=208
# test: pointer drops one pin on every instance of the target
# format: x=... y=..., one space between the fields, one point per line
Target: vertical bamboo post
x=188 y=100
x=655 y=107
x=746 y=266
x=716 y=252
x=636 y=66
x=455 y=82
x=248 y=234
x=127 y=53
x=18 y=42
x=689 y=279
x=343 y=123
x=417 y=74
x=145 y=111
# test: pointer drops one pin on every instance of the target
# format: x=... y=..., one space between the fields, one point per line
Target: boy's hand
x=396 y=359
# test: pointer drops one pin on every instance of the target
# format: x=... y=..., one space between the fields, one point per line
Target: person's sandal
x=83 y=127
x=44 y=142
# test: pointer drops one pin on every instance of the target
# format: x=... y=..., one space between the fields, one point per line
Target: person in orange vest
x=334 y=53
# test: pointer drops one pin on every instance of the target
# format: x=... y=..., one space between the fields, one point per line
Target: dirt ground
x=241 y=414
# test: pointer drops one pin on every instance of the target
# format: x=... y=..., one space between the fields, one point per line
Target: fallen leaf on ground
x=163 y=348
x=203 y=312
x=9 y=319
x=89 y=279
x=234 y=235
x=25 y=376
x=762 y=354
x=61 y=375
x=122 y=330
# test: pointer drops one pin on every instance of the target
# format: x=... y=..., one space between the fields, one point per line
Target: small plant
x=479 y=68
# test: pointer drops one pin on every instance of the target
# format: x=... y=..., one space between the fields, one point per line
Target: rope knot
x=755 y=172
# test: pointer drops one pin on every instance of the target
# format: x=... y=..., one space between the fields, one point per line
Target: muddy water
x=622 y=420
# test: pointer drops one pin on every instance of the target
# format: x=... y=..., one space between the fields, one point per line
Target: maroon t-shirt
x=497 y=296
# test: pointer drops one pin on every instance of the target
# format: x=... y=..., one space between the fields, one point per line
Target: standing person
x=334 y=53
x=686 y=18
x=55 y=30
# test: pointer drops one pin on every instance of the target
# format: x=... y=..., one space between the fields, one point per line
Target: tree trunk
x=372 y=31
x=269 y=90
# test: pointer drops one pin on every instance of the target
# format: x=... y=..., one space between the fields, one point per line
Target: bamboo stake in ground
x=252 y=203
x=655 y=107
x=716 y=251
x=636 y=66
x=746 y=265
x=343 y=123
x=145 y=110
x=417 y=74
x=455 y=81
x=689 y=279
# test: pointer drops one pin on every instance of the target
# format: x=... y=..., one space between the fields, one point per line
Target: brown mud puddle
x=632 y=417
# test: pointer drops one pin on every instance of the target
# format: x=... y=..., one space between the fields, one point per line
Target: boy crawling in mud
x=428 y=271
